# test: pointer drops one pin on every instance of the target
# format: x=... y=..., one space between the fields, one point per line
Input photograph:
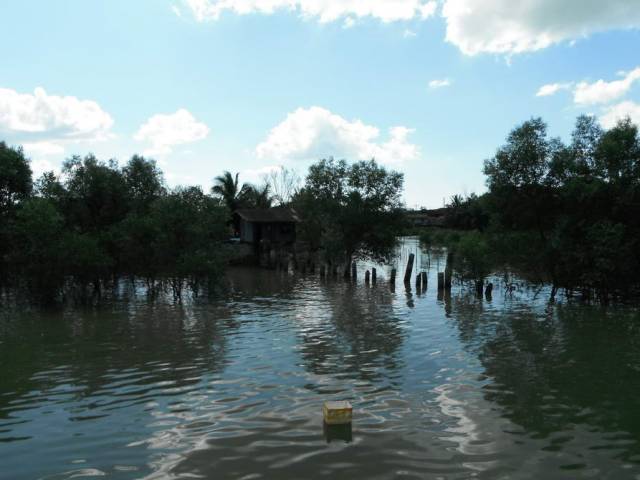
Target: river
x=443 y=387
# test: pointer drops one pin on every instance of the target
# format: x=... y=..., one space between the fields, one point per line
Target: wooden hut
x=277 y=226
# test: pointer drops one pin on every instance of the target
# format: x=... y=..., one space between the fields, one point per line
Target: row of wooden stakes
x=444 y=278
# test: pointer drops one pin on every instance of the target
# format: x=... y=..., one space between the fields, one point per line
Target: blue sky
x=430 y=88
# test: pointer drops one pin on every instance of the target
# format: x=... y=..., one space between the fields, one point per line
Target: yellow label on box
x=337 y=412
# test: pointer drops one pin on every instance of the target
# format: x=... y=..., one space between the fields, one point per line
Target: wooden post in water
x=392 y=277
x=488 y=291
x=424 y=280
x=409 y=271
x=440 y=280
x=418 y=278
x=354 y=271
x=448 y=271
x=374 y=275
x=366 y=277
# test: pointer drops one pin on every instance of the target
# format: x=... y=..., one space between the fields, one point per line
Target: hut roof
x=269 y=215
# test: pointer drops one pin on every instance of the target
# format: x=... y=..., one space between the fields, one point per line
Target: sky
x=430 y=88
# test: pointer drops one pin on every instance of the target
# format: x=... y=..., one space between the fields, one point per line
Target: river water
x=443 y=387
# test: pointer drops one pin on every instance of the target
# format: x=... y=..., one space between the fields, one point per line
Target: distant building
x=427 y=218
x=277 y=226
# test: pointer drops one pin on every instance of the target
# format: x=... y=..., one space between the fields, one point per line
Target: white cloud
x=445 y=82
x=552 y=89
x=164 y=131
x=323 y=10
x=620 y=111
x=40 y=115
x=516 y=26
x=43 y=148
x=41 y=165
x=408 y=33
x=348 y=22
x=176 y=10
x=314 y=133
x=604 y=92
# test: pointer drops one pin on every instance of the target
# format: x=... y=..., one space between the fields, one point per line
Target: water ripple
x=447 y=387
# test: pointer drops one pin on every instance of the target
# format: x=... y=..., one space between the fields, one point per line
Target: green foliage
x=39 y=230
x=190 y=229
x=571 y=213
x=472 y=254
x=15 y=178
x=97 y=221
x=227 y=187
x=144 y=182
x=96 y=193
x=258 y=197
x=15 y=187
x=235 y=196
x=351 y=210
x=467 y=213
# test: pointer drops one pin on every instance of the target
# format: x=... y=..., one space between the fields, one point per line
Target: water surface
x=449 y=387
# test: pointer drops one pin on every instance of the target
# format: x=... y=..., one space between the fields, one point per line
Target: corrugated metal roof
x=269 y=215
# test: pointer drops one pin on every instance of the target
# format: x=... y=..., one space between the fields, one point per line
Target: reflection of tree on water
x=560 y=368
x=359 y=333
x=94 y=353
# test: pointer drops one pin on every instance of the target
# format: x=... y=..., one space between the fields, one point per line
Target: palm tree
x=228 y=188
x=260 y=197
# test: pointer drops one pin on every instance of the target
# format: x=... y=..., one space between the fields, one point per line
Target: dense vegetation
x=97 y=223
x=350 y=211
x=563 y=214
x=566 y=214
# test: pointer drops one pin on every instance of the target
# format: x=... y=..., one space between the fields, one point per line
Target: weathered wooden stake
x=354 y=270
x=374 y=275
x=392 y=277
x=418 y=278
x=448 y=271
x=366 y=277
x=424 y=280
x=409 y=271
x=440 y=280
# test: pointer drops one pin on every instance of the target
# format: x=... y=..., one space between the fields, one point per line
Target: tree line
x=96 y=223
x=567 y=214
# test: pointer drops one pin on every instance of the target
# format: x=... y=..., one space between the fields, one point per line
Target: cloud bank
x=45 y=123
x=324 y=11
x=474 y=26
x=315 y=132
x=620 y=111
x=603 y=91
x=165 y=131
x=511 y=27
